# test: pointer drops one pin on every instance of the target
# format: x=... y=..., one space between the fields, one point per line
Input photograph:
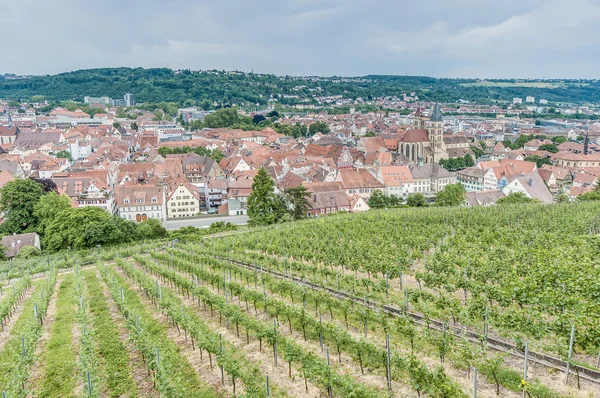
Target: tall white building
x=129 y=100
x=530 y=99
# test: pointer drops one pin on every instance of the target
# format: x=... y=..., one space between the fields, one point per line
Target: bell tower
x=436 y=133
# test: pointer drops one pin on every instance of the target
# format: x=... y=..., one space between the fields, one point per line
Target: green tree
x=469 y=162
x=151 y=229
x=552 y=148
x=134 y=126
x=28 y=252
x=379 y=200
x=451 y=195
x=370 y=134
x=158 y=115
x=65 y=155
x=298 y=199
x=539 y=161
x=559 y=140
x=117 y=125
x=17 y=200
x=514 y=197
x=264 y=206
x=318 y=127
x=48 y=207
x=416 y=200
x=206 y=105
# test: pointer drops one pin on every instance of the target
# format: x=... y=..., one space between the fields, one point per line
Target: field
x=404 y=303
x=486 y=83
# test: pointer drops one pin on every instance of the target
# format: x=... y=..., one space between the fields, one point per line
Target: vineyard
x=502 y=301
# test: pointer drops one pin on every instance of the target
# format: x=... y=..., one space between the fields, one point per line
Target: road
x=203 y=222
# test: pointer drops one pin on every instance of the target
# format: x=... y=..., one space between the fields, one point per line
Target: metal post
x=268 y=392
x=23 y=344
x=122 y=296
x=89 y=380
x=570 y=352
x=330 y=390
x=474 y=382
x=275 y=341
x=320 y=331
x=525 y=364
x=389 y=369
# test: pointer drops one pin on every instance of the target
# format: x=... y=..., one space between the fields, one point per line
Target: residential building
x=483 y=198
x=430 y=178
x=398 y=180
x=359 y=181
x=532 y=185
x=183 y=200
x=86 y=192
x=475 y=179
x=14 y=243
x=139 y=202
x=215 y=192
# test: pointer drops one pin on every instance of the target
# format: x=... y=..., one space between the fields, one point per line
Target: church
x=426 y=142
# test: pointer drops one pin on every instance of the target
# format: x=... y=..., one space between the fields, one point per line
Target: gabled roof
x=436 y=115
x=358 y=178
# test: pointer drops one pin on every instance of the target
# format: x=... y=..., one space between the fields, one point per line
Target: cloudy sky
x=441 y=38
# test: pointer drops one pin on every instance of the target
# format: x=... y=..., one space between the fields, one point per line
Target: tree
x=539 y=161
x=378 y=200
x=256 y=119
x=514 y=197
x=590 y=196
x=134 y=126
x=28 y=252
x=469 y=162
x=48 y=207
x=206 y=105
x=559 y=140
x=87 y=227
x=264 y=206
x=370 y=134
x=451 y=195
x=477 y=151
x=552 y=148
x=47 y=184
x=416 y=200
x=151 y=229
x=117 y=125
x=158 y=115
x=318 y=127
x=17 y=200
x=65 y=155
x=298 y=199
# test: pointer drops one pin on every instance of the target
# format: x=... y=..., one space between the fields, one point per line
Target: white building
x=517 y=100
x=140 y=202
x=183 y=201
x=530 y=99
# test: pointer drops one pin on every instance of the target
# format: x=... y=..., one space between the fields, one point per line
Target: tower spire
x=10 y=122
x=586 y=144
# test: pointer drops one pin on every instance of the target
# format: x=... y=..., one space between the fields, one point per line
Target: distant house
x=140 y=202
x=483 y=198
x=183 y=200
x=359 y=181
x=14 y=243
x=532 y=185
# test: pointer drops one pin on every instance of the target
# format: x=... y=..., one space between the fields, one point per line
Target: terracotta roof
x=358 y=178
x=395 y=175
x=415 y=135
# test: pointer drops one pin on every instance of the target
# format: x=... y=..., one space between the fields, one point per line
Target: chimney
x=530 y=181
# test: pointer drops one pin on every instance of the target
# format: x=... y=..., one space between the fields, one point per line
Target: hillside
x=406 y=301
x=156 y=85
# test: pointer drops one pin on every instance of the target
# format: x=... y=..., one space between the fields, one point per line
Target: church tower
x=436 y=133
x=10 y=122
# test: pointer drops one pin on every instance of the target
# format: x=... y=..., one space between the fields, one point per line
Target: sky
x=440 y=38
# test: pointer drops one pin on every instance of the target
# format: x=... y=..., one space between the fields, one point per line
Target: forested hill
x=156 y=85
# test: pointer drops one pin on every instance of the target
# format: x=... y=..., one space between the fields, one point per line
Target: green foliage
x=477 y=151
x=370 y=134
x=514 y=197
x=378 y=200
x=298 y=200
x=552 y=148
x=216 y=154
x=46 y=209
x=151 y=229
x=162 y=84
x=65 y=155
x=458 y=163
x=559 y=140
x=225 y=117
x=264 y=206
x=590 y=196
x=416 y=200
x=86 y=227
x=539 y=161
x=318 y=127
x=28 y=252
x=17 y=200
x=293 y=130
x=451 y=195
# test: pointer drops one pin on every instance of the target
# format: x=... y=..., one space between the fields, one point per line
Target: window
x=126 y=201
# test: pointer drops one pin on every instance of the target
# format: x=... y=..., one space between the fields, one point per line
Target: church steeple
x=436 y=115
x=10 y=123
x=586 y=144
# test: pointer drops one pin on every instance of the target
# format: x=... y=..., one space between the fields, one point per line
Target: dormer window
x=126 y=201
